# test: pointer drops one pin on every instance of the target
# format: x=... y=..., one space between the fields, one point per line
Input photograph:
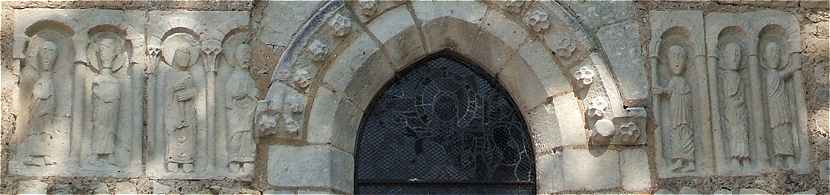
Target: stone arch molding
x=348 y=51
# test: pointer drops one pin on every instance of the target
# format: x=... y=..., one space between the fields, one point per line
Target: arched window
x=444 y=127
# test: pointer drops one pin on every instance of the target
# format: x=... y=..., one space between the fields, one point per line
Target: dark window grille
x=444 y=127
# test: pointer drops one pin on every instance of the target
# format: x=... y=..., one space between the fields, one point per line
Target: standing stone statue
x=734 y=107
x=105 y=101
x=240 y=105
x=43 y=108
x=181 y=115
x=680 y=95
x=778 y=103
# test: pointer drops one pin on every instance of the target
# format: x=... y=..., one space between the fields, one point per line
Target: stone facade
x=268 y=97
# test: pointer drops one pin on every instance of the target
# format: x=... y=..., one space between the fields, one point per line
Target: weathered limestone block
x=572 y=128
x=318 y=166
x=636 y=176
x=596 y=14
x=187 y=139
x=585 y=170
x=75 y=108
x=544 y=128
x=681 y=95
x=397 y=32
x=621 y=43
x=281 y=19
x=32 y=187
x=549 y=173
x=690 y=190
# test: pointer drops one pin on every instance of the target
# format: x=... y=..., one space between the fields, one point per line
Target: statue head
x=677 y=59
x=47 y=54
x=243 y=55
x=181 y=58
x=772 y=55
x=731 y=56
x=106 y=51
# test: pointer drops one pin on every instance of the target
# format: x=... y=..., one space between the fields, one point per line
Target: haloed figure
x=105 y=101
x=240 y=104
x=181 y=125
x=679 y=92
x=778 y=103
x=43 y=108
x=734 y=108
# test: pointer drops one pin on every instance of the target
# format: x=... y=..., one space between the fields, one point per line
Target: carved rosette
x=514 y=6
x=537 y=20
x=342 y=25
x=211 y=48
x=564 y=46
x=597 y=107
x=368 y=7
x=584 y=75
x=318 y=50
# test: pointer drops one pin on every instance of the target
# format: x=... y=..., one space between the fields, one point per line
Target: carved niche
x=195 y=83
x=45 y=102
x=112 y=115
x=758 y=111
x=76 y=110
x=235 y=106
x=680 y=100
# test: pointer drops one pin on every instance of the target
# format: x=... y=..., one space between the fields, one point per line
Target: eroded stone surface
x=636 y=176
x=311 y=166
x=621 y=43
x=586 y=170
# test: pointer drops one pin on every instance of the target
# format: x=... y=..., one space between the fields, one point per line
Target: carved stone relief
x=680 y=99
x=751 y=93
x=368 y=7
x=112 y=130
x=537 y=20
x=585 y=76
x=757 y=122
x=236 y=107
x=77 y=116
x=341 y=24
x=514 y=6
x=318 y=50
x=197 y=81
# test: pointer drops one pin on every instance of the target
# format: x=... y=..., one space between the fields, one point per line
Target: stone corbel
x=617 y=129
x=211 y=48
x=600 y=120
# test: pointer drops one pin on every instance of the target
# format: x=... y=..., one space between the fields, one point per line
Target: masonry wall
x=621 y=29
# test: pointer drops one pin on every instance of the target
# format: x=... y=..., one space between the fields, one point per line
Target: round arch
x=350 y=70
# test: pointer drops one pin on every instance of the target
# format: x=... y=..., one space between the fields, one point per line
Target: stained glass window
x=444 y=126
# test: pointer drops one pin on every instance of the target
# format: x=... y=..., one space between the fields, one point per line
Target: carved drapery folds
x=758 y=111
x=679 y=97
x=198 y=80
x=751 y=104
x=75 y=108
